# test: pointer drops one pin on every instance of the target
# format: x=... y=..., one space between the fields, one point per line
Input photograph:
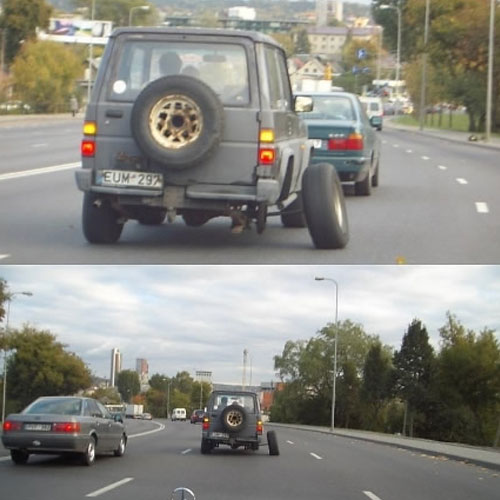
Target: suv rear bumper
x=266 y=191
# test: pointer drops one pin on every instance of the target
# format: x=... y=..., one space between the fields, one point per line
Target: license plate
x=37 y=427
x=318 y=143
x=219 y=435
x=124 y=178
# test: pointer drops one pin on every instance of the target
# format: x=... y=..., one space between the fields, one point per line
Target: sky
x=203 y=317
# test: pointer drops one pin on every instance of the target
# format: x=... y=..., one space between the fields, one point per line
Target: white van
x=374 y=109
x=178 y=414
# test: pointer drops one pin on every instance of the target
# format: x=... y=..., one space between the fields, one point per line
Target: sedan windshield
x=331 y=108
x=55 y=406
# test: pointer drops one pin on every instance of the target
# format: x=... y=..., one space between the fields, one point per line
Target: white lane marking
x=371 y=495
x=186 y=451
x=290 y=442
x=409 y=151
x=4 y=256
x=425 y=158
x=462 y=181
x=442 y=167
x=395 y=145
x=40 y=145
x=482 y=207
x=317 y=457
x=96 y=493
x=160 y=428
x=39 y=171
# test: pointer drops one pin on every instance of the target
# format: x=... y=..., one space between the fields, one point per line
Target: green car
x=344 y=136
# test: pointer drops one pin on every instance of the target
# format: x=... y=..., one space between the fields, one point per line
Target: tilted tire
x=375 y=177
x=177 y=121
x=206 y=446
x=19 y=457
x=89 y=454
x=100 y=222
x=120 y=451
x=293 y=215
x=272 y=442
x=233 y=418
x=324 y=206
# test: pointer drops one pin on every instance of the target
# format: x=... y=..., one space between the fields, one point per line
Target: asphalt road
x=310 y=465
x=437 y=204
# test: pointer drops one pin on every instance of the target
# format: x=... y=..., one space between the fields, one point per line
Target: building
x=116 y=365
x=142 y=369
x=247 y=13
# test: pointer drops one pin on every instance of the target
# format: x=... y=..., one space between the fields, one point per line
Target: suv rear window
x=221 y=66
x=222 y=400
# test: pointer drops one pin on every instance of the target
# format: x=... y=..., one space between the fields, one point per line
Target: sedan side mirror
x=303 y=104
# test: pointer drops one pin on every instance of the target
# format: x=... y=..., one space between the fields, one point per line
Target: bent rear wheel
x=19 y=457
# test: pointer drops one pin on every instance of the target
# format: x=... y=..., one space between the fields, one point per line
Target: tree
x=41 y=366
x=376 y=385
x=20 y=19
x=199 y=390
x=118 y=11
x=286 y=41
x=128 y=384
x=44 y=75
x=348 y=395
x=106 y=395
x=302 y=45
x=413 y=369
x=3 y=298
x=159 y=382
x=468 y=383
x=183 y=382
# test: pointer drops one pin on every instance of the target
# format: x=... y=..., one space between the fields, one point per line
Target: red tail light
x=259 y=426
x=88 y=148
x=354 y=142
x=66 y=427
x=206 y=423
x=267 y=156
x=9 y=426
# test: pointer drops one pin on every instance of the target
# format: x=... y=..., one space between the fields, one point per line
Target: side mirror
x=303 y=104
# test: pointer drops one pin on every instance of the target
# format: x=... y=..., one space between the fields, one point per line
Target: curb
x=437 y=135
x=383 y=439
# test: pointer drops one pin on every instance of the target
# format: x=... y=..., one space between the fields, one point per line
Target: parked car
x=374 y=109
x=233 y=418
x=64 y=425
x=197 y=416
x=343 y=136
x=14 y=107
x=178 y=414
x=204 y=126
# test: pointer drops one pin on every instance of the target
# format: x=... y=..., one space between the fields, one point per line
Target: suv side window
x=274 y=77
x=286 y=92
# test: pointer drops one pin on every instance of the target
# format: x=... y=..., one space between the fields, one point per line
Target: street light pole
x=336 y=342
x=91 y=52
x=4 y=388
x=424 y=66
x=138 y=7
x=489 y=90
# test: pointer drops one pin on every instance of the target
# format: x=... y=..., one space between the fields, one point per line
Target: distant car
x=344 y=137
x=233 y=418
x=178 y=414
x=197 y=416
x=147 y=416
x=15 y=106
x=374 y=109
x=59 y=425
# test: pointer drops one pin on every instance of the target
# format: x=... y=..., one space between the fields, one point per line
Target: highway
x=310 y=465
x=437 y=203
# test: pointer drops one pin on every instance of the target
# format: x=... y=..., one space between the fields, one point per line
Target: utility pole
x=424 y=66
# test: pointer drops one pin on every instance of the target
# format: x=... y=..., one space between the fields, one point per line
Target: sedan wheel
x=89 y=453
x=19 y=457
x=120 y=451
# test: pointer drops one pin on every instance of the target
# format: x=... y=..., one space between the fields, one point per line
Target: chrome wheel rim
x=91 y=451
x=175 y=121
x=234 y=418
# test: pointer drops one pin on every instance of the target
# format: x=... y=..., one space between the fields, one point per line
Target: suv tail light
x=267 y=153
x=206 y=423
x=353 y=142
x=9 y=426
x=66 y=427
x=259 y=426
x=88 y=145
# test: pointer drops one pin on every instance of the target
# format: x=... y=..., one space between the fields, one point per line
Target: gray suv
x=201 y=123
x=233 y=418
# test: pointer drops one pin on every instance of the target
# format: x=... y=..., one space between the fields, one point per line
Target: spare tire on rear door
x=233 y=418
x=177 y=121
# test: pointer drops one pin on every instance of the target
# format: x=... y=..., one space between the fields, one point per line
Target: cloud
x=202 y=317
